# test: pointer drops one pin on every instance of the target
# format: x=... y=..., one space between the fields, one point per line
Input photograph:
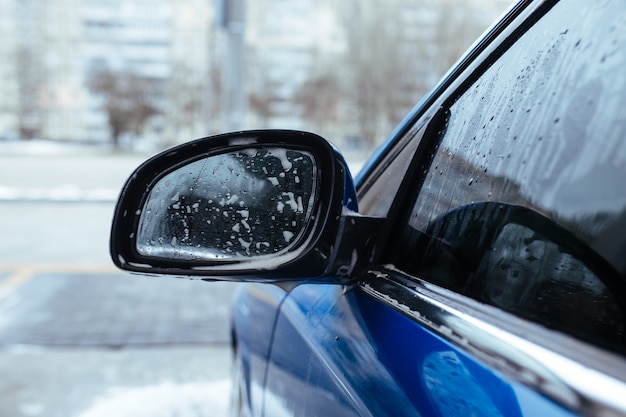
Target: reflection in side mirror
x=236 y=205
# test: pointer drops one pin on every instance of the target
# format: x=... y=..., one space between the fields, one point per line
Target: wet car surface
x=475 y=266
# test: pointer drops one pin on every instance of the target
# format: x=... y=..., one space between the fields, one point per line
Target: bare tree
x=29 y=79
x=397 y=50
x=189 y=114
x=319 y=97
x=216 y=90
x=381 y=74
x=263 y=96
x=128 y=100
x=458 y=24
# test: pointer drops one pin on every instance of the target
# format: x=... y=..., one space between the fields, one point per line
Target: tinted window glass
x=378 y=194
x=536 y=278
x=542 y=130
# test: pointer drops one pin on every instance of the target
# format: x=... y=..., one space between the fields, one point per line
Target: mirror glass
x=246 y=203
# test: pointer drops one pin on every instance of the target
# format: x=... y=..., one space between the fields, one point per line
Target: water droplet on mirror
x=245 y=244
x=287 y=235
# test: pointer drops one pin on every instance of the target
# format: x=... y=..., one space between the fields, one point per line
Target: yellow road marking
x=19 y=273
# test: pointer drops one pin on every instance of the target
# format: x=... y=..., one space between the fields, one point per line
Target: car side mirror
x=257 y=205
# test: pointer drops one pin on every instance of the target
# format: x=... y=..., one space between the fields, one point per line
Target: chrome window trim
x=581 y=377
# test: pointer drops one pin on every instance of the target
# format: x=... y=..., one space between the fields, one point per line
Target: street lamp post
x=231 y=18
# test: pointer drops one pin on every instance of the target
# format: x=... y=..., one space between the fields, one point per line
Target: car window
x=523 y=204
x=378 y=192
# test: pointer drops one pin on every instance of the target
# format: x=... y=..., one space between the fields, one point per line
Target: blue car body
x=335 y=351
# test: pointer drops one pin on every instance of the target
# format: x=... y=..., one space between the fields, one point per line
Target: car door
x=500 y=290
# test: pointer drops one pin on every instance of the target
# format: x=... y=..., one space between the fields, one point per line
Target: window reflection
x=525 y=273
x=522 y=262
x=454 y=391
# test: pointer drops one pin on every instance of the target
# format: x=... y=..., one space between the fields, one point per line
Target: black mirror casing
x=314 y=252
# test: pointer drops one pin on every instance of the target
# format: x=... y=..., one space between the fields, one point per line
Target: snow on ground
x=44 y=147
x=61 y=193
x=206 y=399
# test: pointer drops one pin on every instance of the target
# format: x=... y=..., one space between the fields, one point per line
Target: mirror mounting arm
x=356 y=246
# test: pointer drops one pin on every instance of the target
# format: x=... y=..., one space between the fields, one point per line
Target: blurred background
x=90 y=88
x=147 y=74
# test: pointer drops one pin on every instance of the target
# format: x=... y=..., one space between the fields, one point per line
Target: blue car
x=476 y=266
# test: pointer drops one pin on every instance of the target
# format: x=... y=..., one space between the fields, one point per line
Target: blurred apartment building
x=292 y=63
x=9 y=99
x=118 y=37
x=51 y=49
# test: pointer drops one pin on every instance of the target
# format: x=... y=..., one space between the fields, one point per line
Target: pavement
x=102 y=343
x=79 y=338
x=113 y=310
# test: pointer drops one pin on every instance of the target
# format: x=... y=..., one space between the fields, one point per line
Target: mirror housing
x=187 y=183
